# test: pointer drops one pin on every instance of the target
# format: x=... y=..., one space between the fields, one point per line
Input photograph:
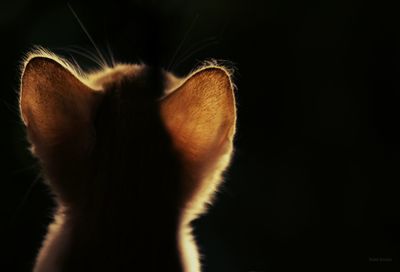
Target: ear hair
x=201 y=113
x=200 y=116
x=55 y=104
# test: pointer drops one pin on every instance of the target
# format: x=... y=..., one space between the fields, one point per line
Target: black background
x=315 y=178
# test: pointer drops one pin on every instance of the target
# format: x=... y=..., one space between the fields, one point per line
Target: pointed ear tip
x=217 y=71
x=217 y=74
x=35 y=61
x=33 y=67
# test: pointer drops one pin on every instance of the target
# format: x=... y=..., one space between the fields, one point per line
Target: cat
x=132 y=155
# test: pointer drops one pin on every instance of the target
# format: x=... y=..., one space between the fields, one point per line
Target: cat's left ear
x=56 y=106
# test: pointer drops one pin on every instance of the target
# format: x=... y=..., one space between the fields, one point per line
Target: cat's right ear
x=55 y=105
x=201 y=114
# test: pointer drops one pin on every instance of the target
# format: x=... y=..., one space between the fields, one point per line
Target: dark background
x=315 y=178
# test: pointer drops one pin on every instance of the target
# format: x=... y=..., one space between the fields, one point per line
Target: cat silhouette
x=132 y=155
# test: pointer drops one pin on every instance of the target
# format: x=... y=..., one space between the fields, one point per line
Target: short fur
x=132 y=155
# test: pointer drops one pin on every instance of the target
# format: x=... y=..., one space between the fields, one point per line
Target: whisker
x=182 y=42
x=110 y=53
x=86 y=55
x=87 y=51
x=74 y=61
x=196 y=51
x=206 y=40
x=88 y=35
x=194 y=48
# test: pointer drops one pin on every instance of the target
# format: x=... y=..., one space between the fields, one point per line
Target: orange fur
x=70 y=123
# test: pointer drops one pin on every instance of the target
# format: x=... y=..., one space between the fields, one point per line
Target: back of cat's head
x=129 y=144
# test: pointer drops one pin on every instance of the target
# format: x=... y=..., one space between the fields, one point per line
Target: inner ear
x=200 y=115
x=55 y=104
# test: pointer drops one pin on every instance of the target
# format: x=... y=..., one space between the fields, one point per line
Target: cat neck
x=76 y=243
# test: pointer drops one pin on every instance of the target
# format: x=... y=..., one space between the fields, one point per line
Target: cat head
x=130 y=133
